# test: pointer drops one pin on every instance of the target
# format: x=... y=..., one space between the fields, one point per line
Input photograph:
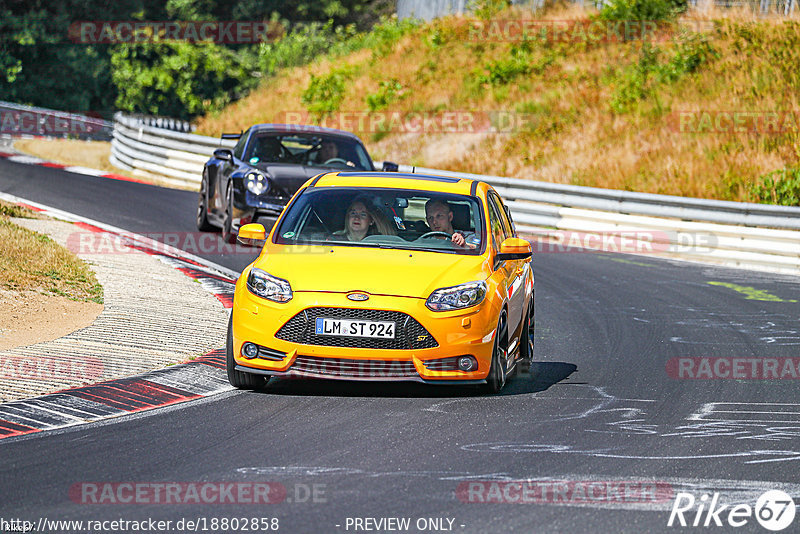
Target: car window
x=382 y=218
x=508 y=226
x=312 y=149
x=238 y=150
x=499 y=232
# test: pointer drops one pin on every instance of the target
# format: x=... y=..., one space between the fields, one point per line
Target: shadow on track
x=545 y=374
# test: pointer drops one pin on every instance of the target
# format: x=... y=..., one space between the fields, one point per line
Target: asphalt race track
x=605 y=410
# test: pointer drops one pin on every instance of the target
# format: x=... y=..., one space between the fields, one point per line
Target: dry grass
x=33 y=262
x=577 y=137
x=13 y=210
x=91 y=154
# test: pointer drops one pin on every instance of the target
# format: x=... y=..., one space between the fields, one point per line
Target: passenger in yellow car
x=440 y=219
x=361 y=219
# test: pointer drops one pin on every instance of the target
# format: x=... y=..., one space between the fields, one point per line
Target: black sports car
x=254 y=181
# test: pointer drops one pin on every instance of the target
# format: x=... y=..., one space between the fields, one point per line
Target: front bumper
x=304 y=354
x=251 y=208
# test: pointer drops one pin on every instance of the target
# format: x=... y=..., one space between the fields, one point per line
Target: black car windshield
x=384 y=218
x=315 y=149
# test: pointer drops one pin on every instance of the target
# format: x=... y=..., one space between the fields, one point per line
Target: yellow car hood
x=391 y=272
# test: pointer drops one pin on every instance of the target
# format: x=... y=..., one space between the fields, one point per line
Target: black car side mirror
x=224 y=154
x=389 y=166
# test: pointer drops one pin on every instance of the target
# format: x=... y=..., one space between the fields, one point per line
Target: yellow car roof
x=397 y=180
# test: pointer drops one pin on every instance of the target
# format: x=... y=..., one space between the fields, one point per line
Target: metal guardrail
x=17 y=120
x=627 y=202
x=148 y=150
x=750 y=235
x=166 y=123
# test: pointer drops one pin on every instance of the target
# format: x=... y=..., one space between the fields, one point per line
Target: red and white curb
x=33 y=160
x=202 y=377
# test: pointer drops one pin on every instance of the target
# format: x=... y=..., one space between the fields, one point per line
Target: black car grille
x=342 y=367
x=409 y=334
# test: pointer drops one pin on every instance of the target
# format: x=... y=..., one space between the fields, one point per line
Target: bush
x=388 y=92
x=641 y=79
x=637 y=81
x=518 y=63
x=778 y=187
x=650 y=10
x=691 y=53
x=177 y=79
x=486 y=9
x=386 y=34
x=325 y=93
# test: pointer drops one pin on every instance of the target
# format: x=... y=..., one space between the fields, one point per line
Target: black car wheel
x=526 y=340
x=202 y=209
x=497 y=372
x=227 y=224
x=238 y=379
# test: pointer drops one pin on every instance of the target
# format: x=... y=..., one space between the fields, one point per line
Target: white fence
x=740 y=234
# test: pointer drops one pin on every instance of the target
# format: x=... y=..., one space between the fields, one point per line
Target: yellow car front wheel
x=238 y=379
x=497 y=372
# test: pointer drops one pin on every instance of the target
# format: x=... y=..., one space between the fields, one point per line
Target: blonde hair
x=382 y=224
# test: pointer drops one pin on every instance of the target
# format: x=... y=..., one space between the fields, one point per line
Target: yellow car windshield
x=384 y=218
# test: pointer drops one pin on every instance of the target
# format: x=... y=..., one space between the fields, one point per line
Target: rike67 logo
x=774 y=511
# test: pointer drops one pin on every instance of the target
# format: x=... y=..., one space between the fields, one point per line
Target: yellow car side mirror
x=514 y=248
x=252 y=235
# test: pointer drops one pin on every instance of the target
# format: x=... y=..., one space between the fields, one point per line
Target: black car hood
x=290 y=177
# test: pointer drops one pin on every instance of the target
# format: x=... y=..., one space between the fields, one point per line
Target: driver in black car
x=327 y=151
x=440 y=219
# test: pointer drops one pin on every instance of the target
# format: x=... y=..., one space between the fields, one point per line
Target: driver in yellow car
x=440 y=219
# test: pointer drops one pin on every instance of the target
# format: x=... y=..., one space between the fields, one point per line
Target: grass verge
x=33 y=262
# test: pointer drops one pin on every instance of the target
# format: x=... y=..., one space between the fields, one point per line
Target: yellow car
x=385 y=276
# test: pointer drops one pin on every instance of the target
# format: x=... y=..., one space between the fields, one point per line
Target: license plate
x=354 y=328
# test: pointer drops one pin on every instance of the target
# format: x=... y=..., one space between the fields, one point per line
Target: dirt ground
x=30 y=317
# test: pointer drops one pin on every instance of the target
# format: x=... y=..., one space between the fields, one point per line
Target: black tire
x=202 y=209
x=497 y=372
x=227 y=225
x=526 y=341
x=238 y=379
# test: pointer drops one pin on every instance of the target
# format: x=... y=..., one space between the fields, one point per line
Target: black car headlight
x=457 y=297
x=256 y=182
x=266 y=286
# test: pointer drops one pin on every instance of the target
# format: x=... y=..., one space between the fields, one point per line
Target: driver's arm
x=458 y=240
